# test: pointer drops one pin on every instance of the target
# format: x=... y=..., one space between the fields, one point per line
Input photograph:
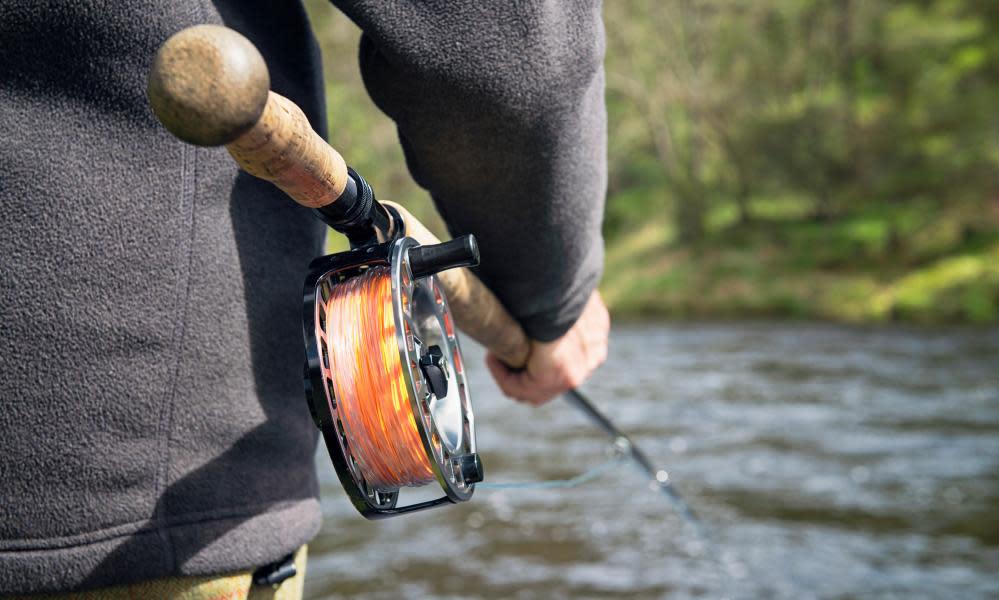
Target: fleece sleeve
x=500 y=111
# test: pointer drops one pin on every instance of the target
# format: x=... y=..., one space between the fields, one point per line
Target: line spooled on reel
x=384 y=375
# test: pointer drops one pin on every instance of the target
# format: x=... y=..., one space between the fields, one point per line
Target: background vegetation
x=831 y=159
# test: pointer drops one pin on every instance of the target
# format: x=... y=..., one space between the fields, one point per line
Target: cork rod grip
x=209 y=86
x=284 y=149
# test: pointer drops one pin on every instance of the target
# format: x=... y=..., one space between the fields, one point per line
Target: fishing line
x=549 y=484
x=377 y=331
x=375 y=408
x=624 y=450
x=659 y=479
x=375 y=405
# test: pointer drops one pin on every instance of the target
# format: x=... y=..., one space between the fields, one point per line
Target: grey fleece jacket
x=151 y=413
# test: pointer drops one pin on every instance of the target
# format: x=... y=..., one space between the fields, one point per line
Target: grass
x=901 y=263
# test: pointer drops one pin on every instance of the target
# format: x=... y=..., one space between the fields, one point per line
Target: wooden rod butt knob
x=208 y=85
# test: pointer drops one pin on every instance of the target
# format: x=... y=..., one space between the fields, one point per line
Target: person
x=153 y=425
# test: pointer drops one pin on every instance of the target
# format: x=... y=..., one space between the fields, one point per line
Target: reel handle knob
x=477 y=311
x=435 y=369
x=433 y=258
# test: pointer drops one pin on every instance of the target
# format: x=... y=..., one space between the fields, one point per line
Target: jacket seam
x=188 y=189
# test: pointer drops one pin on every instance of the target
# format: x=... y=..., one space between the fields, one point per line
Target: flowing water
x=827 y=462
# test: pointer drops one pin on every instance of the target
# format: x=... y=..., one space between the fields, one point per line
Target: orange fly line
x=372 y=397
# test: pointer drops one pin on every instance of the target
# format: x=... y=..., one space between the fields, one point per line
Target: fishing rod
x=384 y=376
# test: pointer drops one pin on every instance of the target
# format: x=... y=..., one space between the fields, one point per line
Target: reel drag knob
x=431 y=259
x=434 y=367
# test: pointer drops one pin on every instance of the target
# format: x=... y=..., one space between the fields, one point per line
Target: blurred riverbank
x=832 y=161
x=879 y=265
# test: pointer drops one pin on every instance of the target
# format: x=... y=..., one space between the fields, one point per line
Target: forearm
x=501 y=114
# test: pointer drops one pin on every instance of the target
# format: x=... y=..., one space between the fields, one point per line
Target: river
x=826 y=461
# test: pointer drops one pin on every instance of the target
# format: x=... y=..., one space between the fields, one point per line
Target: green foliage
x=841 y=104
x=846 y=270
x=806 y=158
x=365 y=136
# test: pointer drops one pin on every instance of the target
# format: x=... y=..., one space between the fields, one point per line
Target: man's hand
x=559 y=366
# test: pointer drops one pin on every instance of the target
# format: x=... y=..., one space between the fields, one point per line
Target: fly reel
x=385 y=377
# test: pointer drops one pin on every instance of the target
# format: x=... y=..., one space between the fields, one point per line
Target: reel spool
x=385 y=377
